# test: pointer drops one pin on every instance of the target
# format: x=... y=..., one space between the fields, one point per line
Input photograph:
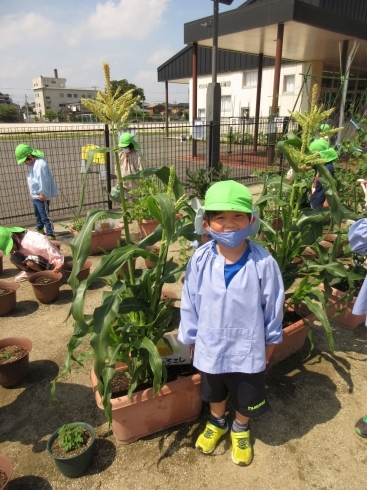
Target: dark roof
x=179 y=68
x=313 y=29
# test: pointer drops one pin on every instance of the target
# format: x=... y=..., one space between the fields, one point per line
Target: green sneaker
x=208 y=440
x=42 y=231
x=241 y=448
x=361 y=427
x=51 y=237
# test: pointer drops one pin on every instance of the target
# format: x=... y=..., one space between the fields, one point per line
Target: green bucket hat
x=23 y=150
x=127 y=139
x=321 y=146
x=228 y=195
x=6 y=241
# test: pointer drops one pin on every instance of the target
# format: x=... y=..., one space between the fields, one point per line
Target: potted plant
x=8 y=296
x=71 y=447
x=6 y=470
x=139 y=209
x=302 y=227
x=14 y=360
x=84 y=272
x=133 y=318
x=46 y=285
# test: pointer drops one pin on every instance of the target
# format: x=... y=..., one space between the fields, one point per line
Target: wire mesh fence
x=184 y=146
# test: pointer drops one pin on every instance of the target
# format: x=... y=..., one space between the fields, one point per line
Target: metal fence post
x=108 y=163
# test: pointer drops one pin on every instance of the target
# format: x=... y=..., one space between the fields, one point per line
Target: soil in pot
x=12 y=353
x=46 y=285
x=8 y=296
x=121 y=383
x=57 y=449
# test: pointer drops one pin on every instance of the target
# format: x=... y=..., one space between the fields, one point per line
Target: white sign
x=198 y=131
x=178 y=354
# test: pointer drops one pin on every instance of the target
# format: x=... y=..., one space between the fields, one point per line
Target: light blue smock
x=40 y=180
x=357 y=237
x=231 y=326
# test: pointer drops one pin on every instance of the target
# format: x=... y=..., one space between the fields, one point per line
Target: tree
x=126 y=86
x=8 y=113
x=50 y=115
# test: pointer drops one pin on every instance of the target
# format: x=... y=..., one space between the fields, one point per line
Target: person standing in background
x=41 y=186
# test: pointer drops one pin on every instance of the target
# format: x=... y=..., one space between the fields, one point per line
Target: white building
x=51 y=93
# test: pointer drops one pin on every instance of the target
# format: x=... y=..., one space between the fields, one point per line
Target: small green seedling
x=71 y=436
x=5 y=355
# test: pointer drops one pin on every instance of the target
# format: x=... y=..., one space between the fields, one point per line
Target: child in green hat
x=29 y=251
x=321 y=147
x=231 y=314
x=41 y=186
x=130 y=161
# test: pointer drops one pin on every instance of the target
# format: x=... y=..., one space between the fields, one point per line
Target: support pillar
x=166 y=115
x=194 y=99
x=276 y=87
x=258 y=99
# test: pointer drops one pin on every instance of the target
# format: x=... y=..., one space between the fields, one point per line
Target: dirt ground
x=307 y=440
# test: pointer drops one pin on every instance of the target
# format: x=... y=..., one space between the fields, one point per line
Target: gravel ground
x=306 y=441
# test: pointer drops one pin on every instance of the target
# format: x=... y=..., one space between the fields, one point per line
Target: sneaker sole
x=241 y=463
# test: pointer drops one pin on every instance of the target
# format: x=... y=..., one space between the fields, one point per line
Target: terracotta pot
x=168 y=294
x=13 y=372
x=147 y=226
x=73 y=466
x=345 y=319
x=83 y=274
x=126 y=268
x=8 y=301
x=326 y=244
x=46 y=293
x=277 y=224
x=1 y=262
x=177 y=402
x=149 y=263
x=294 y=337
x=7 y=467
x=105 y=239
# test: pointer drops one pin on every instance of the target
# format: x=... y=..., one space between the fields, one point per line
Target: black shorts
x=247 y=391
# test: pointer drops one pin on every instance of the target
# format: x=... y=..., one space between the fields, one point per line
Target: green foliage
x=185 y=251
x=199 y=181
x=50 y=115
x=139 y=207
x=8 y=113
x=71 y=436
x=125 y=86
x=132 y=318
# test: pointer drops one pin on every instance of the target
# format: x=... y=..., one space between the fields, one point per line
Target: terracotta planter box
x=177 y=402
x=294 y=337
x=7 y=467
x=345 y=319
x=147 y=226
x=106 y=239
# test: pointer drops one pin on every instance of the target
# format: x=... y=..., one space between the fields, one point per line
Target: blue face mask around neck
x=231 y=239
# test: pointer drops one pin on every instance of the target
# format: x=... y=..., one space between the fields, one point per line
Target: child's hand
x=192 y=350
x=42 y=197
x=57 y=268
x=269 y=349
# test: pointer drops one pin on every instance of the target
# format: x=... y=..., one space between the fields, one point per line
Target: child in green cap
x=41 y=186
x=130 y=161
x=29 y=251
x=231 y=315
x=321 y=147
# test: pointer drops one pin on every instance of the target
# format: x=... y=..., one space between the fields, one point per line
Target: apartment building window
x=61 y=105
x=83 y=96
x=53 y=81
x=225 y=103
x=76 y=95
x=46 y=85
x=250 y=79
x=288 y=84
x=61 y=95
x=48 y=98
x=277 y=114
x=70 y=96
x=89 y=96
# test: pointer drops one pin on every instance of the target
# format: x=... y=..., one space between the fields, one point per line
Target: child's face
x=227 y=221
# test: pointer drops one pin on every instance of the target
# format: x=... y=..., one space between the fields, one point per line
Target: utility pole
x=26 y=108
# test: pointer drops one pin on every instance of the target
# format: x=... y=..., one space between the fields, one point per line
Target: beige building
x=52 y=94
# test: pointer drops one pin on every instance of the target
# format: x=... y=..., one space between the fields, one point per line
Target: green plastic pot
x=75 y=465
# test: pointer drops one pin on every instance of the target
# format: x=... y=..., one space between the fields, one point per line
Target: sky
x=77 y=36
